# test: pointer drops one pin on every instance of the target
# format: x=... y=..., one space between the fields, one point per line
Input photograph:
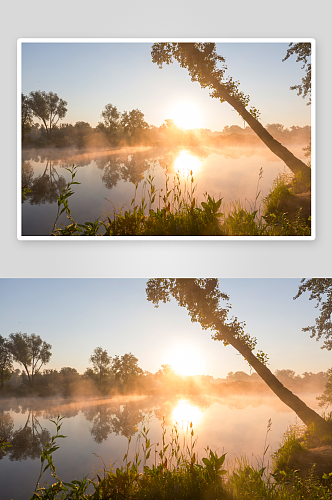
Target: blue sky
x=77 y=315
x=90 y=75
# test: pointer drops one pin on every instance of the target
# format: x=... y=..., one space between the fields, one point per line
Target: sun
x=186 y=115
x=186 y=360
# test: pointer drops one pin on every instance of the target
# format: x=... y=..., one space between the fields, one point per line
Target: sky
x=91 y=75
x=77 y=315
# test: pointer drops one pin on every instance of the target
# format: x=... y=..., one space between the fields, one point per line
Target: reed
x=176 y=212
x=170 y=469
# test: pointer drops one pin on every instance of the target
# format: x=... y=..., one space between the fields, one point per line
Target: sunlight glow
x=186 y=115
x=186 y=360
x=184 y=413
x=186 y=163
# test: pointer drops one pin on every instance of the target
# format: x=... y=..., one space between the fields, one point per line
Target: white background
x=159 y=18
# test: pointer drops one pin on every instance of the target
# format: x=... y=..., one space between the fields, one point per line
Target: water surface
x=110 y=178
x=97 y=431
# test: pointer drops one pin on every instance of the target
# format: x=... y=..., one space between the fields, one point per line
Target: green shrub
x=287 y=456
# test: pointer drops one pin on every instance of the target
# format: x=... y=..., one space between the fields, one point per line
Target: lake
x=108 y=179
x=97 y=432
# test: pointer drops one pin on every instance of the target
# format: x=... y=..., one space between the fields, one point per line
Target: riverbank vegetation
x=171 y=470
x=179 y=214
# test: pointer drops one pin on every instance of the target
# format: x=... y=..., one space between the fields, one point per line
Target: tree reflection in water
x=128 y=165
x=26 y=442
x=117 y=419
x=109 y=416
x=6 y=428
x=126 y=419
x=45 y=188
x=125 y=167
x=27 y=177
x=101 y=418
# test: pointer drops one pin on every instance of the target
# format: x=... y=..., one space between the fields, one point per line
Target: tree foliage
x=126 y=368
x=101 y=362
x=111 y=118
x=203 y=64
x=208 y=68
x=26 y=116
x=126 y=125
x=201 y=298
x=133 y=122
x=6 y=361
x=303 y=52
x=320 y=290
x=48 y=107
x=325 y=399
x=30 y=351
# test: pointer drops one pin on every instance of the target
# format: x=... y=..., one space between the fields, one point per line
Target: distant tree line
x=236 y=134
x=127 y=129
x=122 y=375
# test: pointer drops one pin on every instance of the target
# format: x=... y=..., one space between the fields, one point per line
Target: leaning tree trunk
x=293 y=163
x=306 y=414
x=202 y=308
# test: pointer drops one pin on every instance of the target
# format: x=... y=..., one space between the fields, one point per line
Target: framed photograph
x=166 y=138
x=147 y=396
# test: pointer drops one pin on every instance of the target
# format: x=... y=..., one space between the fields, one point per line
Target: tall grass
x=171 y=470
x=179 y=214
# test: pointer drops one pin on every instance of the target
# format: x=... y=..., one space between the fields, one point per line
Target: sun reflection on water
x=186 y=163
x=184 y=413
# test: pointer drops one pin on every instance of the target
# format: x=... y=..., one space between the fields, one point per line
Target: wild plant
x=266 y=446
x=258 y=192
x=179 y=475
x=247 y=483
x=290 y=446
x=87 y=229
x=75 y=490
x=179 y=214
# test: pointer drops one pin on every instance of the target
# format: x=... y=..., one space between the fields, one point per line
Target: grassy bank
x=171 y=470
x=179 y=214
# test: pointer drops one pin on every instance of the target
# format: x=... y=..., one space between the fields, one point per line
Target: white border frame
x=20 y=41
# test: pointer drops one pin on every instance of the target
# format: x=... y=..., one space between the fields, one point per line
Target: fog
x=233 y=165
x=97 y=430
x=68 y=383
x=81 y=137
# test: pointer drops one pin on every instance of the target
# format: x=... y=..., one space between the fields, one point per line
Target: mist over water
x=233 y=424
x=110 y=179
